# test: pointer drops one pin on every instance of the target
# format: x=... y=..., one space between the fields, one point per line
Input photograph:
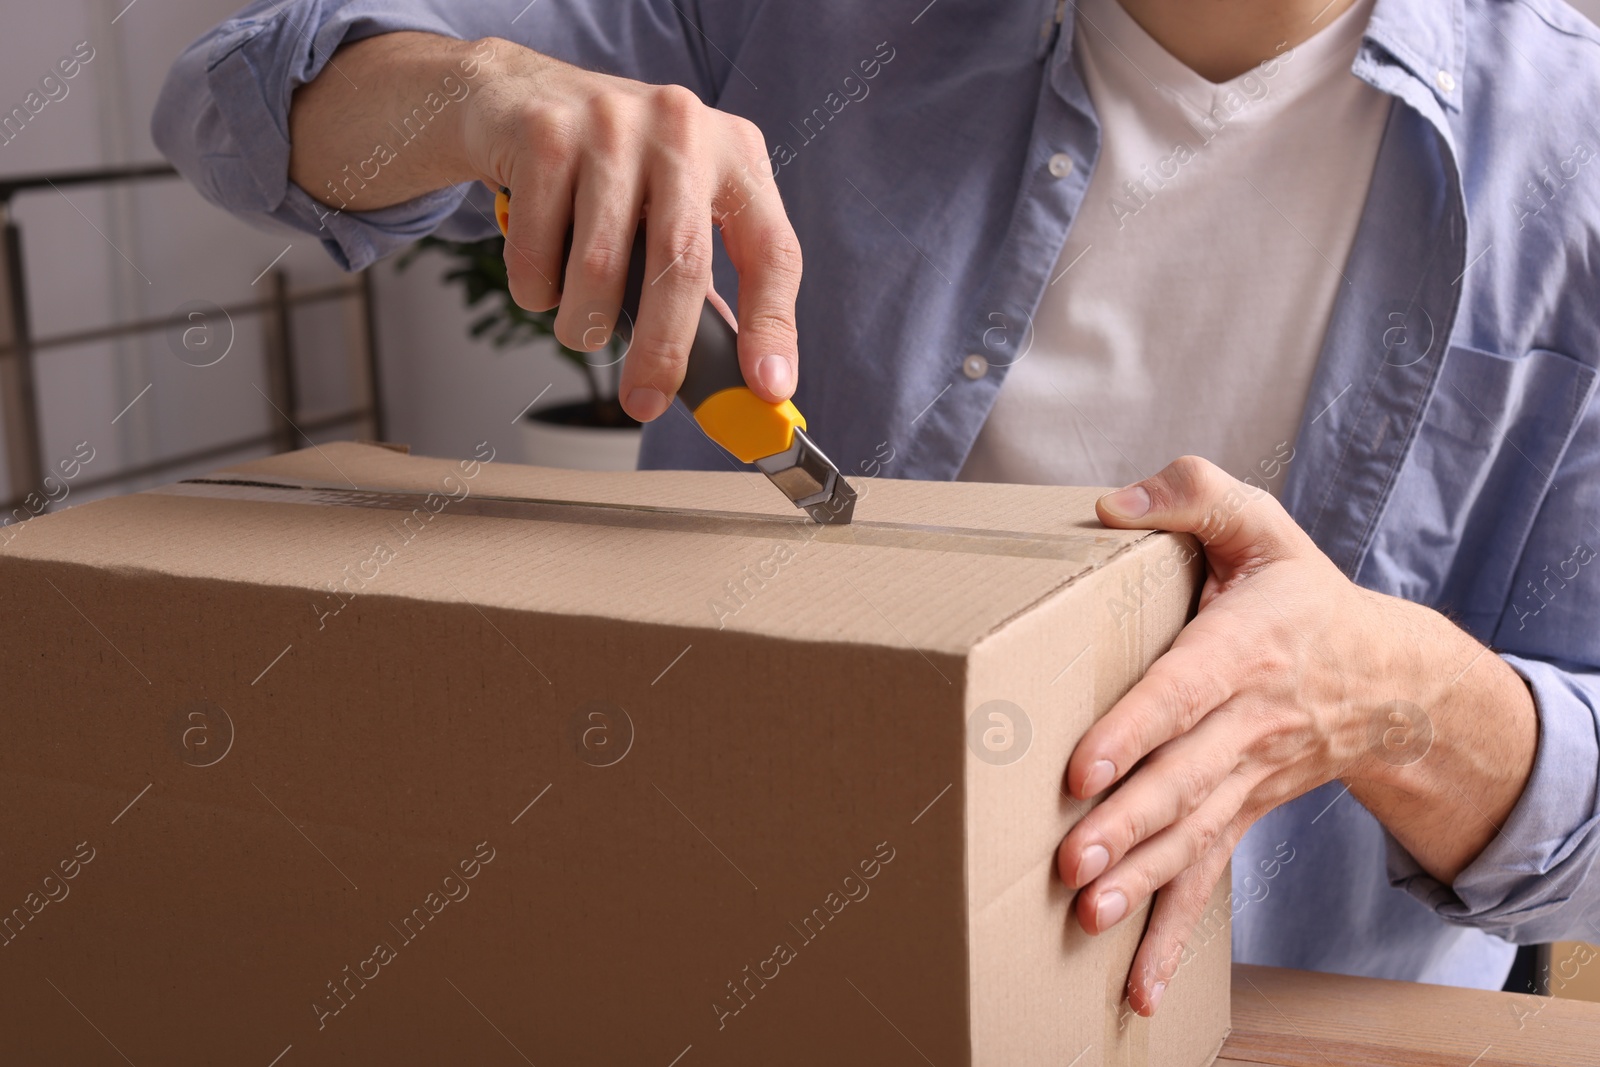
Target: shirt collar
x=1428 y=39
x=1425 y=37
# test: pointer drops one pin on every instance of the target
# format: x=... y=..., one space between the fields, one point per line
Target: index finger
x=1176 y=692
x=765 y=251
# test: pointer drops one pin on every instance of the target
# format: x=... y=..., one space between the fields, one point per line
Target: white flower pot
x=585 y=448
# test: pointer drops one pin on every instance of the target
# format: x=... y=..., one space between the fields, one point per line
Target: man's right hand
x=592 y=152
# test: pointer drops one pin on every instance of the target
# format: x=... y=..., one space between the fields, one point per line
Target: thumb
x=1237 y=523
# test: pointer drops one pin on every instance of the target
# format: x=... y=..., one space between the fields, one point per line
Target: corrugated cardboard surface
x=1574 y=972
x=280 y=730
x=1064 y=664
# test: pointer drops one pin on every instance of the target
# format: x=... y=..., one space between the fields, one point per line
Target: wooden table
x=1300 y=1019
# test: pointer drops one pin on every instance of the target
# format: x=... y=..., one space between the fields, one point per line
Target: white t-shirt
x=1188 y=306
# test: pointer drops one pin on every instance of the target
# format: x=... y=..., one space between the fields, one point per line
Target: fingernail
x=1155 y=996
x=1129 y=503
x=1109 y=909
x=1101 y=771
x=776 y=375
x=645 y=403
x=1094 y=860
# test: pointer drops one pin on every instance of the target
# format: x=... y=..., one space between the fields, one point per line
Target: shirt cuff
x=355 y=240
x=1527 y=885
x=253 y=68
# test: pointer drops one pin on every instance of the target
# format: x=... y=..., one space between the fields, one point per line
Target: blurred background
x=300 y=351
x=149 y=405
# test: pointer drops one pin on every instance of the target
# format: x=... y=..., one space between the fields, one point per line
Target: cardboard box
x=1572 y=972
x=471 y=763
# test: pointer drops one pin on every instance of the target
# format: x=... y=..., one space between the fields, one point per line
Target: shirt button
x=1447 y=81
x=974 y=366
x=1060 y=164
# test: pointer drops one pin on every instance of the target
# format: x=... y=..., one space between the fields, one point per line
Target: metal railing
x=19 y=404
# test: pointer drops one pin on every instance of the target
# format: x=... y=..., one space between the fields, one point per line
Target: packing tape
x=901 y=535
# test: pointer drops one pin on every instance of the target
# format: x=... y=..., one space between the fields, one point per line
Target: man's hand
x=584 y=150
x=1289 y=676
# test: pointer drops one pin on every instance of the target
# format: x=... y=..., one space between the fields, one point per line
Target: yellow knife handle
x=713 y=385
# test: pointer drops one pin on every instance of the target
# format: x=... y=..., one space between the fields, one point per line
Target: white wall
x=447 y=392
x=443 y=393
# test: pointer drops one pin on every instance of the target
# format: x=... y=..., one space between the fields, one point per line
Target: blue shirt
x=1449 y=452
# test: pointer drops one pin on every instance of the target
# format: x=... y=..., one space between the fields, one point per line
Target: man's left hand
x=1270 y=691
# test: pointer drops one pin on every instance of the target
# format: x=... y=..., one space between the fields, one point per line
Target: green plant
x=480 y=268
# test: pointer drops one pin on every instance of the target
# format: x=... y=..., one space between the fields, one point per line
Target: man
x=1350 y=251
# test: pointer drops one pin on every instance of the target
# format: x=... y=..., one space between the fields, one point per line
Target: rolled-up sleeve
x=222 y=117
x=1532 y=883
x=1536 y=880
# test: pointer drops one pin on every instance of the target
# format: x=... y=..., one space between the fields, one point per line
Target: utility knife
x=771 y=436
